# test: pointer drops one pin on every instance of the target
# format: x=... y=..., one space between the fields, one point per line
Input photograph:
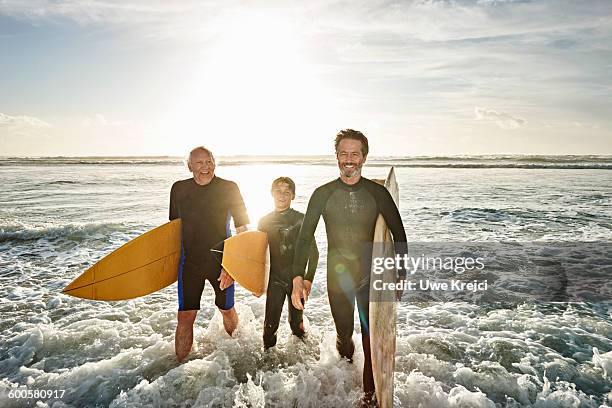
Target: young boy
x=283 y=226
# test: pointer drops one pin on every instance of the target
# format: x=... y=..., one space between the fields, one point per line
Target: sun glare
x=254 y=80
x=254 y=187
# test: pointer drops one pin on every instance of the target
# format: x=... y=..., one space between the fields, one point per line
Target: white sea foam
x=604 y=361
x=55 y=224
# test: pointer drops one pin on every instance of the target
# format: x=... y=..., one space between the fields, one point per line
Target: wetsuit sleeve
x=237 y=207
x=306 y=236
x=313 y=259
x=174 y=212
x=392 y=217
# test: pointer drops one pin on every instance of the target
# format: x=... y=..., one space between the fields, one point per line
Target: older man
x=350 y=206
x=205 y=203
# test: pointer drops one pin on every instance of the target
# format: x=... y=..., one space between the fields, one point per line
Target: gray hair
x=200 y=149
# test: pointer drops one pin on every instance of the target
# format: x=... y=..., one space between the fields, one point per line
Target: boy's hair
x=355 y=135
x=285 y=180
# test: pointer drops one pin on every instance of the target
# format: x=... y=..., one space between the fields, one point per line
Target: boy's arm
x=262 y=225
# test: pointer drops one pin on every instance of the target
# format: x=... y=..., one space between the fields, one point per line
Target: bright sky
x=417 y=77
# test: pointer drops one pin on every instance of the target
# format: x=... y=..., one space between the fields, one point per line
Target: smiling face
x=202 y=165
x=350 y=158
x=283 y=195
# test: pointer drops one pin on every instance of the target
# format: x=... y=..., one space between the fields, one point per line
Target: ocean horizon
x=526 y=161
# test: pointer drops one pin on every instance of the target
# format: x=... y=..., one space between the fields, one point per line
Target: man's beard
x=349 y=173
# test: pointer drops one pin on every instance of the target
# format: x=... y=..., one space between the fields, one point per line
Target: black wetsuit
x=350 y=213
x=283 y=228
x=205 y=212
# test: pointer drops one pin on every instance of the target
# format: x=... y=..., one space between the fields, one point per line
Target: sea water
x=58 y=216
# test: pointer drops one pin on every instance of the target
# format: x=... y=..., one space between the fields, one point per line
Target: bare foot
x=230 y=320
x=183 y=338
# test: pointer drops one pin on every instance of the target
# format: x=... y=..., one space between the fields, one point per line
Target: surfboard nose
x=142 y=266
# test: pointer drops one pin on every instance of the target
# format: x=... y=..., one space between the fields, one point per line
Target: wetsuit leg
x=347 y=283
x=342 y=304
x=363 y=306
x=295 y=316
x=275 y=297
x=224 y=299
x=343 y=277
x=190 y=286
x=342 y=307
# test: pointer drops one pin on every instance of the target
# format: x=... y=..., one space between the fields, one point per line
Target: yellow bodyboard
x=246 y=257
x=142 y=266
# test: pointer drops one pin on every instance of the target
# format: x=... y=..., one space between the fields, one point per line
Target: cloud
x=84 y=11
x=188 y=19
x=20 y=122
x=99 y=120
x=440 y=20
x=22 y=129
x=502 y=119
x=429 y=20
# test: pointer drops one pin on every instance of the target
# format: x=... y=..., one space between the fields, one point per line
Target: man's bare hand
x=300 y=292
x=225 y=280
x=241 y=229
x=307 y=289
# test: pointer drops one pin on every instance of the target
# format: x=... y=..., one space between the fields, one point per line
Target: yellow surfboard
x=246 y=258
x=383 y=308
x=142 y=266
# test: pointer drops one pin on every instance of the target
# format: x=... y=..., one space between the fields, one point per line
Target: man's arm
x=303 y=248
x=174 y=212
x=241 y=219
x=306 y=236
x=392 y=217
x=313 y=259
x=238 y=209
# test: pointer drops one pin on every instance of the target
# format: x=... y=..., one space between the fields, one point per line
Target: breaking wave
x=598 y=162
